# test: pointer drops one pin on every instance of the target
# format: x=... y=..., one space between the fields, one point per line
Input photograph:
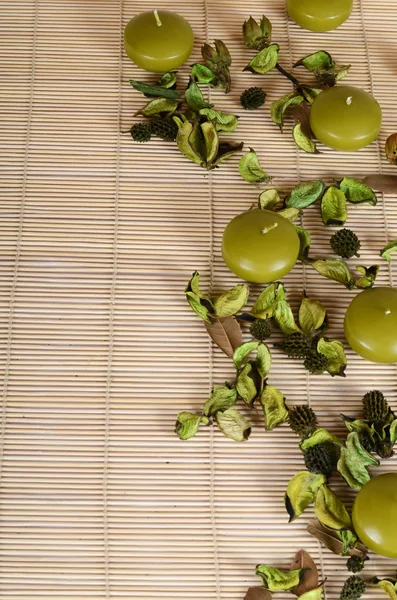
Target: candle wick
x=156 y=16
x=349 y=100
x=388 y=311
x=267 y=229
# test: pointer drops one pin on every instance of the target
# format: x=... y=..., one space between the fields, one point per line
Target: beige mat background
x=99 y=350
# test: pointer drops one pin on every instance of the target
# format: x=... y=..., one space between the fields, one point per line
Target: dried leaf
x=226 y=334
x=269 y=200
x=333 y=207
x=309 y=93
x=258 y=593
x=336 y=356
x=305 y=241
x=222 y=398
x=274 y=408
x=263 y=360
x=303 y=141
x=318 y=61
x=233 y=425
x=223 y=121
x=393 y=432
x=194 y=97
x=168 y=80
x=330 y=511
x=389 y=586
x=231 y=302
x=353 y=462
x=155 y=90
x=335 y=269
x=316 y=594
x=332 y=541
x=264 y=61
x=211 y=143
x=201 y=305
x=158 y=106
x=387 y=184
x=357 y=192
x=290 y=213
x=320 y=436
x=257 y=35
x=227 y=150
x=187 y=424
x=301 y=492
x=349 y=540
x=312 y=315
x=243 y=351
x=250 y=168
x=305 y=194
x=266 y=303
x=368 y=278
x=279 y=107
x=202 y=74
x=388 y=250
x=284 y=318
x=247 y=383
x=277 y=580
x=189 y=141
x=303 y=560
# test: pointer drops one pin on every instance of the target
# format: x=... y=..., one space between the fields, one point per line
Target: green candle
x=158 y=41
x=375 y=514
x=319 y=15
x=260 y=246
x=345 y=118
x=371 y=324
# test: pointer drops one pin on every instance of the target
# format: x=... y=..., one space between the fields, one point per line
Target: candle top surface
x=152 y=40
x=375 y=514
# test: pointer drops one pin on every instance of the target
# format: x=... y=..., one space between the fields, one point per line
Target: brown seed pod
x=391 y=148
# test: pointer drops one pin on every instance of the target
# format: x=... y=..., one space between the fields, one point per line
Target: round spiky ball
x=252 y=98
x=355 y=564
x=345 y=243
x=140 y=132
x=375 y=406
x=320 y=459
x=165 y=128
x=302 y=420
x=261 y=329
x=316 y=363
x=296 y=345
x=353 y=588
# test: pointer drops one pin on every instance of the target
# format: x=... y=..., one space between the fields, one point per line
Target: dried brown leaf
x=258 y=593
x=330 y=539
x=309 y=581
x=226 y=334
x=301 y=114
x=382 y=183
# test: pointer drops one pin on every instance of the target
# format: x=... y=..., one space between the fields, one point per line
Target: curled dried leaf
x=278 y=580
x=303 y=141
x=335 y=269
x=269 y=200
x=187 y=424
x=301 y=492
x=222 y=398
x=353 y=462
x=264 y=61
x=305 y=194
x=357 y=192
x=231 y=302
x=279 y=107
x=309 y=582
x=250 y=168
x=330 y=510
x=233 y=425
x=388 y=250
x=333 y=207
x=156 y=89
x=336 y=356
x=331 y=540
x=226 y=334
x=274 y=408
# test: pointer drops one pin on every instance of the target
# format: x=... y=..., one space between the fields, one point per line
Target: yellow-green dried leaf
x=158 y=106
x=187 y=424
x=284 y=318
x=305 y=240
x=312 y=315
x=335 y=269
x=243 y=351
x=390 y=587
x=245 y=385
x=357 y=192
x=263 y=360
x=393 y=432
x=196 y=305
x=233 y=425
x=194 y=97
x=222 y=398
x=333 y=207
x=155 y=90
x=349 y=540
x=353 y=462
x=279 y=107
x=330 y=510
x=189 y=143
x=303 y=141
x=277 y=580
x=211 y=141
x=231 y=302
x=202 y=74
x=269 y=200
x=335 y=354
x=320 y=436
x=250 y=168
x=264 y=61
x=388 y=250
x=290 y=213
x=368 y=278
x=274 y=408
x=305 y=194
x=316 y=594
x=223 y=121
x=201 y=305
x=266 y=303
x=301 y=492
x=318 y=61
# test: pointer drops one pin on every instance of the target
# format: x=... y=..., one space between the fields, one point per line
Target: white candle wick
x=349 y=100
x=267 y=229
x=156 y=16
x=387 y=311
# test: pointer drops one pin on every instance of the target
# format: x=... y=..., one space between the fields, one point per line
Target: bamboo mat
x=99 y=350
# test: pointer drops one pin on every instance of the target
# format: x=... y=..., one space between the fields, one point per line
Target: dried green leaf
x=242 y=353
x=340 y=71
x=231 y=302
x=277 y=580
x=305 y=194
x=156 y=90
x=393 y=431
x=226 y=334
x=303 y=141
x=233 y=425
x=223 y=121
x=316 y=594
x=332 y=541
x=353 y=462
x=266 y=303
x=309 y=93
x=368 y=278
x=227 y=150
x=218 y=59
x=330 y=510
x=158 y=106
x=245 y=384
x=387 y=585
x=284 y=318
x=274 y=408
x=349 y=540
x=305 y=241
x=388 y=250
x=263 y=360
x=187 y=424
x=222 y=398
x=202 y=74
x=290 y=213
x=333 y=207
x=250 y=169
x=357 y=192
x=279 y=107
x=211 y=142
x=201 y=305
x=264 y=61
x=196 y=305
x=318 y=61
x=269 y=200
x=312 y=315
x=257 y=35
x=168 y=80
x=194 y=97
x=320 y=436
x=257 y=593
x=335 y=269
x=189 y=142
x=303 y=560
x=335 y=354
x=301 y=492
x=358 y=425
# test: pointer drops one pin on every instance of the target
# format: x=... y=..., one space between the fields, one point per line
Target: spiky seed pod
x=375 y=406
x=316 y=363
x=296 y=345
x=384 y=449
x=355 y=564
x=320 y=459
x=302 y=420
x=140 y=132
x=165 y=128
x=353 y=588
x=261 y=329
x=252 y=98
x=345 y=243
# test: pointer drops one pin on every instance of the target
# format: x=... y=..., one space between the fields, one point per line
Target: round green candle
x=371 y=324
x=260 y=246
x=158 y=41
x=375 y=514
x=319 y=15
x=345 y=117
